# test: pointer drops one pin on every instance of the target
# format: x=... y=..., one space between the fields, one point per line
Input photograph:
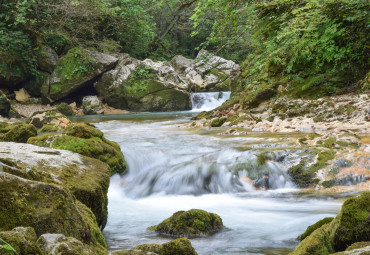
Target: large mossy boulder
x=78 y=68
x=179 y=246
x=86 y=178
x=151 y=95
x=4 y=105
x=350 y=226
x=16 y=132
x=47 y=208
x=192 y=223
x=86 y=140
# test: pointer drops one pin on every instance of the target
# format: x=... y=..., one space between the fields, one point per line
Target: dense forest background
x=319 y=47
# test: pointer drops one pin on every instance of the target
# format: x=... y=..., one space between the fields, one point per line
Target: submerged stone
x=192 y=223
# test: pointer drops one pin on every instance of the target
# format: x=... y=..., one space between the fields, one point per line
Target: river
x=172 y=169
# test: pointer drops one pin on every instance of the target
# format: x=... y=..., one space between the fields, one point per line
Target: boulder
x=4 y=105
x=92 y=105
x=16 y=132
x=350 y=226
x=47 y=208
x=47 y=59
x=192 y=223
x=34 y=84
x=180 y=246
x=22 y=240
x=86 y=178
x=22 y=96
x=60 y=244
x=74 y=71
x=85 y=140
x=163 y=86
x=41 y=118
x=65 y=109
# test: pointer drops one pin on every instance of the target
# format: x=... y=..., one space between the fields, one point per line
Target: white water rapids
x=172 y=169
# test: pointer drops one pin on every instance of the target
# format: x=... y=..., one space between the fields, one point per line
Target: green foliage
x=321 y=46
x=4 y=245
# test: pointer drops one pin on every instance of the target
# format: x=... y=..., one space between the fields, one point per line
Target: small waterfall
x=207 y=101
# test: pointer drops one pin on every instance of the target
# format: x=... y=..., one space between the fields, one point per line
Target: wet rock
x=4 y=105
x=74 y=71
x=86 y=178
x=350 y=226
x=192 y=223
x=92 y=105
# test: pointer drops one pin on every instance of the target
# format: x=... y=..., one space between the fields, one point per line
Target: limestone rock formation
x=74 y=71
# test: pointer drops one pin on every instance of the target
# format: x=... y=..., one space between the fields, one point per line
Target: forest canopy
x=313 y=44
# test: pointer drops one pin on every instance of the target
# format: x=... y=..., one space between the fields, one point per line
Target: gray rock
x=92 y=105
x=4 y=105
x=47 y=59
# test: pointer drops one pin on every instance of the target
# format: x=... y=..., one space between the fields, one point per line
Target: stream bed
x=172 y=169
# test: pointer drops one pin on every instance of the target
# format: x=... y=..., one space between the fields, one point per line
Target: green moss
x=202 y=115
x=313 y=227
x=83 y=130
x=345 y=109
x=354 y=222
x=48 y=128
x=351 y=225
x=192 y=223
x=304 y=173
x=18 y=133
x=217 y=122
x=155 y=248
x=73 y=66
x=358 y=245
x=180 y=246
x=65 y=109
x=23 y=240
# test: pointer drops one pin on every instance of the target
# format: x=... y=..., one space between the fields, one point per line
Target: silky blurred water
x=172 y=169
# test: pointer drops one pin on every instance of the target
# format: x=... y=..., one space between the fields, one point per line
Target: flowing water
x=172 y=169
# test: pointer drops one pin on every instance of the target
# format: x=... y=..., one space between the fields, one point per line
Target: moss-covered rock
x=22 y=239
x=4 y=105
x=304 y=173
x=192 y=223
x=41 y=118
x=17 y=132
x=46 y=208
x=350 y=226
x=180 y=246
x=313 y=227
x=65 y=109
x=217 y=122
x=86 y=178
x=92 y=105
x=74 y=71
x=86 y=140
x=59 y=244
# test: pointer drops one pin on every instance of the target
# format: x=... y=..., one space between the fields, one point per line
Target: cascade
x=206 y=101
